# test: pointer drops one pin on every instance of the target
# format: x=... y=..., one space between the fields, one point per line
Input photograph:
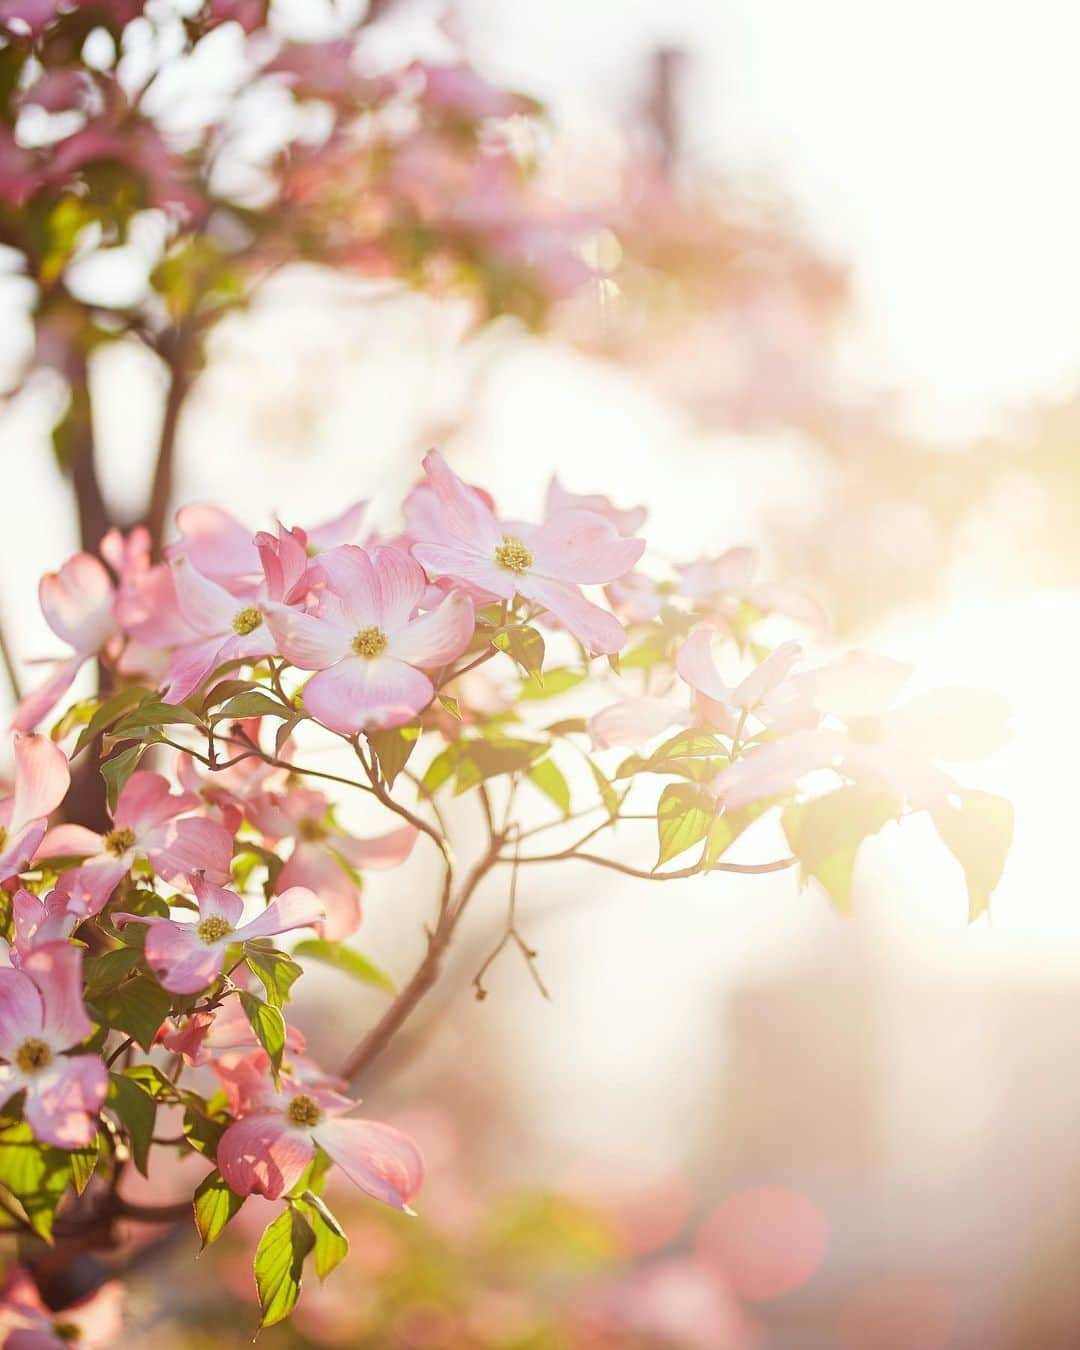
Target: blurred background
x=835 y=314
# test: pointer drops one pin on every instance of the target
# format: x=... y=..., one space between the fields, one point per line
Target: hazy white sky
x=930 y=144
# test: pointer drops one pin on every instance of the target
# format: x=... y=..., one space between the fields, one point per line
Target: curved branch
x=750 y=869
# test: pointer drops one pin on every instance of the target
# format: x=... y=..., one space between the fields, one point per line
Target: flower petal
x=216 y=543
x=189 y=846
x=437 y=637
x=259 y=1154
x=479 y=570
x=464 y=515
x=309 y=641
x=634 y=721
x=400 y=583
x=378 y=854
x=341 y=529
x=358 y=693
x=56 y=969
x=77 y=603
x=382 y=1161
x=598 y=631
x=189 y=666
x=297 y=907
x=21 y=1010
x=582 y=547
x=147 y=802
x=182 y=962
x=40 y=701
x=63 y=1102
x=312 y=866
x=215 y=902
x=695 y=663
x=42 y=778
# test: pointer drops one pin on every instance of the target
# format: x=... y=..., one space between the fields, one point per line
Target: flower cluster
x=150 y=956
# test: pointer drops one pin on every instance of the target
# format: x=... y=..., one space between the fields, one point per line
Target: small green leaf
x=526 y=646
x=279 y=1264
x=34 y=1174
x=392 y=750
x=550 y=779
x=558 y=681
x=84 y=1163
x=156 y=714
x=479 y=760
x=136 y=1111
x=608 y=795
x=343 y=958
x=137 y=1007
x=105 y=972
x=825 y=835
x=277 y=972
x=253 y=704
x=108 y=712
x=683 y=816
x=978 y=832
x=215 y=1205
x=268 y=1025
x=331 y=1243
x=117 y=769
x=451 y=705
x=440 y=770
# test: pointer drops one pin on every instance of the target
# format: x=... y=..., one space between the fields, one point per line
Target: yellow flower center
x=247 y=620
x=212 y=929
x=117 y=842
x=304 y=1110
x=513 y=555
x=33 y=1055
x=369 y=643
x=311 y=831
x=67 y=1331
x=3 y=838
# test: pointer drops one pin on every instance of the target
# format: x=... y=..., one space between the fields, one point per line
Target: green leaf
x=608 y=795
x=137 y=1007
x=117 y=769
x=136 y=1111
x=277 y=972
x=201 y=1130
x=676 y=754
x=156 y=714
x=392 y=750
x=558 y=681
x=550 y=779
x=34 y=1174
x=526 y=646
x=825 y=835
x=440 y=770
x=727 y=827
x=103 y=973
x=214 y=1205
x=84 y=1163
x=451 y=705
x=254 y=704
x=268 y=1026
x=683 y=816
x=279 y=1264
x=479 y=760
x=977 y=830
x=331 y=1243
x=339 y=956
x=108 y=712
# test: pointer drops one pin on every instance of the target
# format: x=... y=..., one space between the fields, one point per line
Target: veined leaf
x=214 y=1206
x=683 y=816
x=825 y=835
x=978 y=832
x=279 y=1264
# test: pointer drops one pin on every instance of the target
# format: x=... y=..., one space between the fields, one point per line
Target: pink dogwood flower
x=367 y=641
x=42 y=1016
x=764 y=692
x=145 y=825
x=864 y=735
x=267 y=1149
x=323 y=855
x=187 y=957
x=36 y=922
x=93 y=1323
x=221 y=548
x=627 y=521
x=42 y=778
x=730 y=580
x=77 y=603
x=546 y=564
x=224 y=627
